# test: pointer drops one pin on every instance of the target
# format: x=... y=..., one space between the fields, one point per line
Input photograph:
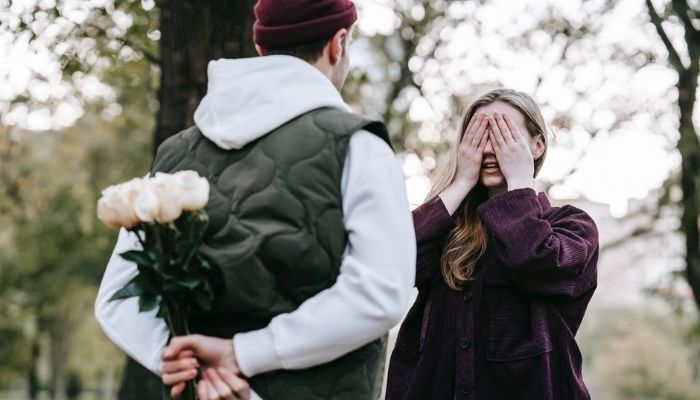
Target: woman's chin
x=492 y=182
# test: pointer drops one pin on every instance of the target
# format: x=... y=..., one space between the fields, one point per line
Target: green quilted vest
x=277 y=235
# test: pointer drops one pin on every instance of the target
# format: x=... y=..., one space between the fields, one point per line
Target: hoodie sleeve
x=141 y=335
x=376 y=277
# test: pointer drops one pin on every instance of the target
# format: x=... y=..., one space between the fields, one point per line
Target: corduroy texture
x=509 y=334
x=282 y=23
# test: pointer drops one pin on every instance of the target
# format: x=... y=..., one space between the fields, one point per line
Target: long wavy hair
x=466 y=243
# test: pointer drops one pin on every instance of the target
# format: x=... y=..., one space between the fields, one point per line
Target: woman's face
x=491 y=176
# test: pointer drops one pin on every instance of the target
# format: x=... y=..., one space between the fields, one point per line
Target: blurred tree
x=417 y=74
x=427 y=59
x=192 y=34
x=641 y=354
x=686 y=63
x=90 y=39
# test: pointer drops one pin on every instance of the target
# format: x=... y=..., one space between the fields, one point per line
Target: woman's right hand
x=469 y=156
x=471 y=151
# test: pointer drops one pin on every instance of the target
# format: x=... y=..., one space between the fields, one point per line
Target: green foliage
x=640 y=354
x=52 y=248
x=12 y=351
x=173 y=275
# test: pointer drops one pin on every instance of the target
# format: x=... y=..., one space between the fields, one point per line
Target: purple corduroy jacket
x=509 y=334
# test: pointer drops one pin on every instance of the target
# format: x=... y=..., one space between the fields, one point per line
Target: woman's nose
x=488 y=149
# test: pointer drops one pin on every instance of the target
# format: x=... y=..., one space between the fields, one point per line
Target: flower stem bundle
x=165 y=213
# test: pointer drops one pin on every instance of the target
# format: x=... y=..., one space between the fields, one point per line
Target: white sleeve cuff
x=255 y=352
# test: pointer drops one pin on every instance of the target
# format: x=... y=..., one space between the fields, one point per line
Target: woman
x=503 y=277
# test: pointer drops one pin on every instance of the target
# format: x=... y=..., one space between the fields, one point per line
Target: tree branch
x=125 y=41
x=637 y=233
x=692 y=35
x=673 y=56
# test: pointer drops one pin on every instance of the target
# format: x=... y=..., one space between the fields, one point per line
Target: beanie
x=283 y=23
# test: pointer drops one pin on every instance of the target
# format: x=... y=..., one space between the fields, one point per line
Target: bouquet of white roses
x=166 y=213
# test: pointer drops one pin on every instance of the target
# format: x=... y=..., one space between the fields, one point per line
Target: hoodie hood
x=250 y=97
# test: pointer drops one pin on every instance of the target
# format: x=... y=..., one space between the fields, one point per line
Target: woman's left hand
x=512 y=152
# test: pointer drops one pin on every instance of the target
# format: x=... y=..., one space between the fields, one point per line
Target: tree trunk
x=58 y=356
x=192 y=33
x=688 y=144
x=689 y=147
x=33 y=380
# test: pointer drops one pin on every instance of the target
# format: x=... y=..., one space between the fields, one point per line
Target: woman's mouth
x=490 y=167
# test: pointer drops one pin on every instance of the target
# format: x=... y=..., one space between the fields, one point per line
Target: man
x=310 y=224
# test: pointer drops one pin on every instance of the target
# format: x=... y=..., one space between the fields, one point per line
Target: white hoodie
x=246 y=99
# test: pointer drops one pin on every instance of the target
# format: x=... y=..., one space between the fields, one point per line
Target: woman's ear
x=538 y=147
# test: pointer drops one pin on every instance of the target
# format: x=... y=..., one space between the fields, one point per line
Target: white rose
x=169 y=193
x=146 y=204
x=195 y=190
x=115 y=209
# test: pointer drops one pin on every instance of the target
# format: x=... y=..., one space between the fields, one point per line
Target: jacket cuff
x=432 y=219
x=506 y=205
x=255 y=352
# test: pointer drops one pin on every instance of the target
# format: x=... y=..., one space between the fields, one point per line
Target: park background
x=89 y=88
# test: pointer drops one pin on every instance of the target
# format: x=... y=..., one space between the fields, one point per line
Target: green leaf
x=201 y=223
x=203 y=263
x=132 y=289
x=148 y=302
x=163 y=312
x=203 y=301
x=139 y=257
x=161 y=267
x=150 y=279
x=188 y=281
x=171 y=286
x=192 y=265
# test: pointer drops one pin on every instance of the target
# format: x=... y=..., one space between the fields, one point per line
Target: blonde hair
x=466 y=243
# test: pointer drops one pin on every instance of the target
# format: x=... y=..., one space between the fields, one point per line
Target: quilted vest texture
x=277 y=235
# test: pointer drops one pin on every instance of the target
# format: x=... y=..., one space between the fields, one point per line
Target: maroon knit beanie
x=282 y=23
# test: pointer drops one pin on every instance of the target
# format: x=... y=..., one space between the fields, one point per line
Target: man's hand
x=220 y=384
x=180 y=359
x=178 y=371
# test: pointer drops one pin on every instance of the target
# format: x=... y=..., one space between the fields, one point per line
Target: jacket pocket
x=402 y=370
x=424 y=323
x=517 y=326
x=413 y=331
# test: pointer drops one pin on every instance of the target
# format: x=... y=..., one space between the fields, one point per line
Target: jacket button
x=467 y=295
x=466 y=389
x=465 y=343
